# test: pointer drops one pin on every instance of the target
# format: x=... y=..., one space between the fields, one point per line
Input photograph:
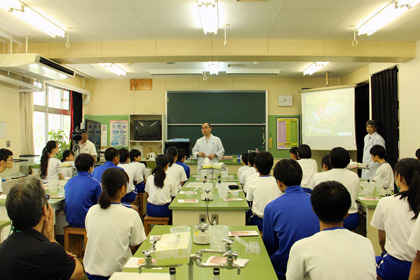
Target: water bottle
x=223 y=191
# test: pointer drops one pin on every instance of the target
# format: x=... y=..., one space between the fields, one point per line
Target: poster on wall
x=104 y=137
x=287 y=133
x=118 y=133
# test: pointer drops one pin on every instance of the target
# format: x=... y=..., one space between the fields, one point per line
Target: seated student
x=289 y=217
x=114 y=231
x=112 y=158
x=68 y=160
x=334 y=252
x=251 y=170
x=31 y=251
x=418 y=153
x=384 y=174
x=81 y=192
x=50 y=166
x=161 y=188
x=414 y=241
x=244 y=159
x=132 y=175
x=6 y=161
x=182 y=155
x=308 y=165
x=175 y=170
x=339 y=159
x=394 y=218
x=293 y=153
x=263 y=189
x=325 y=166
x=135 y=160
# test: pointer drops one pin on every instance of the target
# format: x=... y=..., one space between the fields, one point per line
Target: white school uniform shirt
x=394 y=216
x=140 y=170
x=88 y=148
x=330 y=255
x=209 y=146
x=384 y=175
x=369 y=141
x=414 y=239
x=161 y=196
x=241 y=169
x=246 y=173
x=110 y=233
x=53 y=169
x=249 y=179
x=348 y=178
x=309 y=168
x=261 y=191
x=132 y=175
x=68 y=170
x=316 y=178
x=178 y=173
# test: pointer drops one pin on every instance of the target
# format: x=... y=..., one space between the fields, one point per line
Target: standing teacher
x=208 y=146
x=371 y=139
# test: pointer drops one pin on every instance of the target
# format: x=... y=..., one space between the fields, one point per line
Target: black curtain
x=361 y=103
x=384 y=87
x=76 y=110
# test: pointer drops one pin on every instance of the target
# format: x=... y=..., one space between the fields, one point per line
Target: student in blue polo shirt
x=182 y=155
x=81 y=192
x=112 y=158
x=289 y=217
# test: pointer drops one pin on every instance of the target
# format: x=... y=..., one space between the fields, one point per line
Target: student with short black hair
x=6 y=161
x=384 y=174
x=135 y=160
x=395 y=217
x=263 y=189
x=325 y=166
x=293 y=153
x=114 y=231
x=339 y=159
x=289 y=217
x=418 y=153
x=132 y=175
x=68 y=162
x=244 y=160
x=50 y=167
x=161 y=188
x=112 y=158
x=182 y=155
x=81 y=192
x=175 y=170
x=334 y=252
x=308 y=165
x=251 y=170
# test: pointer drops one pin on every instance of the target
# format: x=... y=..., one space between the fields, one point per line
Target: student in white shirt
x=308 y=165
x=244 y=159
x=161 y=188
x=135 y=160
x=6 y=161
x=339 y=159
x=263 y=189
x=132 y=175
x=334 y=252
x=50 y=166
x=394 y=218
x=114 y=232
x=251 y=170
x=175 y=170
x=293 y=153
x=68 y=163
x=325 y=166
x=384 y=174
x=414 y=241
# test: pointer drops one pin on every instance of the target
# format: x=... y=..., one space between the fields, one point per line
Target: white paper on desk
x=244 y=233
x=135 y=262
x=3 y=196
x=368 y=198
x=185 y=192
x=222 y=260
x=187 y=200
x=194 y=184
x=137 y=276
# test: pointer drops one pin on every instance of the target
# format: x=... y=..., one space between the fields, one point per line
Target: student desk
x=4 y=230
x=258 y=267
x=366 y=210
x=229 y=213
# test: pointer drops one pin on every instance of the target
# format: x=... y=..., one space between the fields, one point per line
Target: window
x=51 y=111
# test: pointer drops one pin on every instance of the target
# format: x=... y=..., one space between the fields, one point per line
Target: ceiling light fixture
x=32 y=17
x=314 y=67
x=384 y=16
x=213 y=67
x=114 y=69
x=208 y=11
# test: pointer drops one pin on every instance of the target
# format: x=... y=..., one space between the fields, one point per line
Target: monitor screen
x=147 y=130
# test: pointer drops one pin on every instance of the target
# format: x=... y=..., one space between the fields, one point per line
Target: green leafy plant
x=62 y=139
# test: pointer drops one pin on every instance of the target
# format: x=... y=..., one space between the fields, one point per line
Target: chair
x=140 y=202
x=148 y=221
x=75 y=240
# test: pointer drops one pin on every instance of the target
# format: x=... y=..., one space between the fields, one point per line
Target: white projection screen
x=328 y=118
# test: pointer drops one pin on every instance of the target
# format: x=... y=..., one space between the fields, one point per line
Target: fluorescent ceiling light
x=114 y=69
x=213 y=67
x=312 y=68
x=384 y=16
x=252 y=71
x=208 y=11
x=32 y=17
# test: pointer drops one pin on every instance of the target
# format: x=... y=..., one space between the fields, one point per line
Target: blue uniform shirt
x=98 y=171
x=81 y=192
x=287 y=219
x=186 y=168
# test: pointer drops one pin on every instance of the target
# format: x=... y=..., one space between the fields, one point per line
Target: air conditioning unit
x=35 y=66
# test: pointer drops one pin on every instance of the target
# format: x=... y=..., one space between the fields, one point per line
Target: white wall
x=9 y=113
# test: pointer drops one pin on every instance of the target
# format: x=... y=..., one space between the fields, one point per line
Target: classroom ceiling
x=133 y=20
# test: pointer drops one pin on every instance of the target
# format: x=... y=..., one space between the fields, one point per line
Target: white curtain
x=26 y=103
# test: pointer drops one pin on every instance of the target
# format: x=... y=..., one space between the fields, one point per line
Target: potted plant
x=35 y=168
x=62 y=139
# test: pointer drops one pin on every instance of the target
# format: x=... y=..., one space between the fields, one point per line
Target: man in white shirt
x=208 y=146
x=6 y=161
x=334 y=252
x=86 y=146
x=371 y=139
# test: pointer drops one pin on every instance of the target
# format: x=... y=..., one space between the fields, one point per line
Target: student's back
x=308 y=165
x=112 y=158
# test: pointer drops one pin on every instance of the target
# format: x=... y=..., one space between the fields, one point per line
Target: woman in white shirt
x=161 y=189
x=395 y=217
x=175 y=170
x=50 y=166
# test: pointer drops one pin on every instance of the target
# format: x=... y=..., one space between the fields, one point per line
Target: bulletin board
x=283 y=134
x=106 y=120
